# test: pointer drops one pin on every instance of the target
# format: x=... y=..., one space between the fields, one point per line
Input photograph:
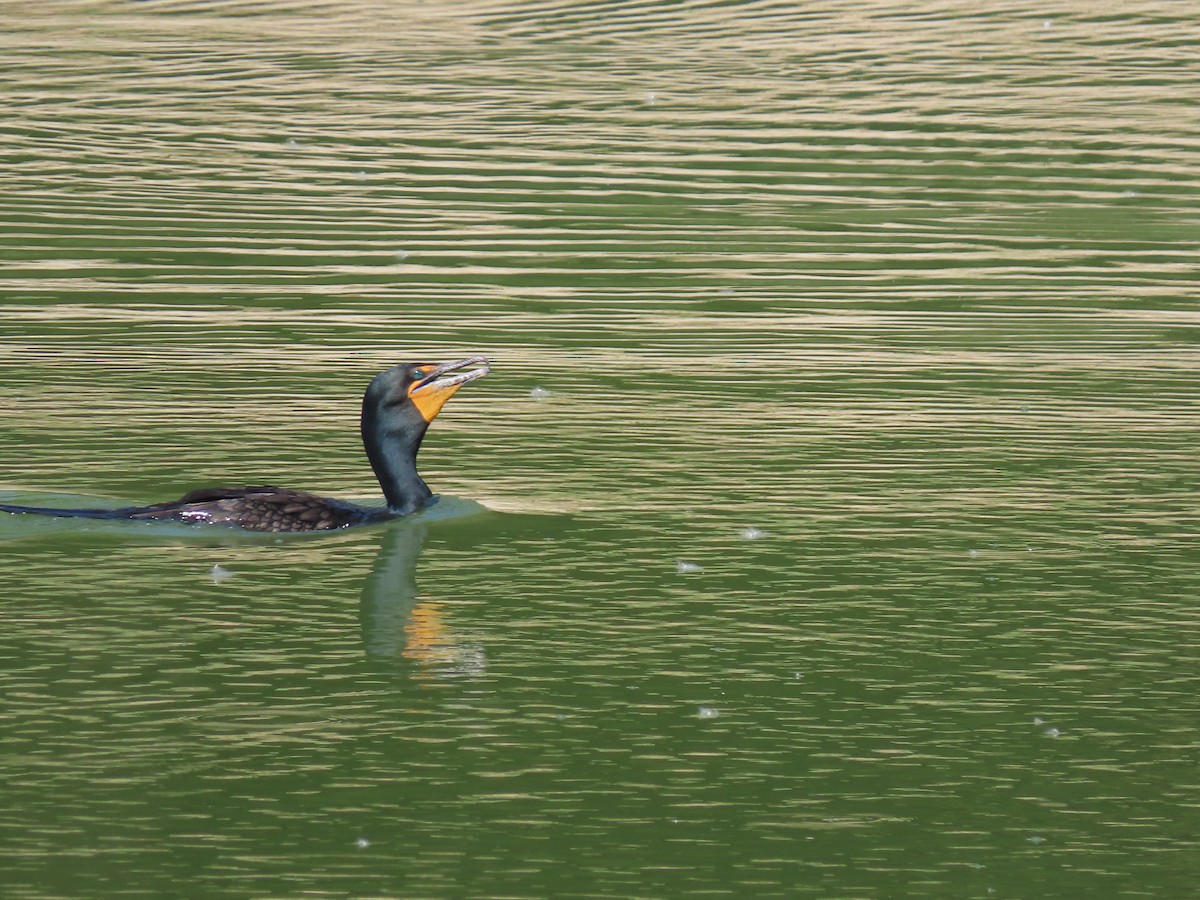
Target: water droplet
x=752 y=534
x=220 y=573
x=1037 y=839
x=539 y=393
x=362 y=843
x=974 y=554
x=401 y=255
x=687 y=568
x=708 y=712
x=1052 y=732
x=1038 y=720
x=651 y=98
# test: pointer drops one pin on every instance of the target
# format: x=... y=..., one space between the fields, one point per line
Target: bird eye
x=416 y=374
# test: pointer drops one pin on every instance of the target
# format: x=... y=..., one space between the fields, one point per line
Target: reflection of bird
x=390 y=593
x=397 y=408
x=400 y=624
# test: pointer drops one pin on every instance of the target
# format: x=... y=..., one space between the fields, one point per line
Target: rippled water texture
x=839 y=457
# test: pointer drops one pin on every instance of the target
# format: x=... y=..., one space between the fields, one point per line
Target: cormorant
x=397 y=408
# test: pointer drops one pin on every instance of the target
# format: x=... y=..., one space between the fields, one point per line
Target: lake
x=826 y=527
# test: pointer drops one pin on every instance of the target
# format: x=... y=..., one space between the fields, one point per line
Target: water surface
x=909 y=293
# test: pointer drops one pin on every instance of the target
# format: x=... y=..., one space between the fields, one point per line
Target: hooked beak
x=430 y=394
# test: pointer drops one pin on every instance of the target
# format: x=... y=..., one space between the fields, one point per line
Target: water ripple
x=904 y=293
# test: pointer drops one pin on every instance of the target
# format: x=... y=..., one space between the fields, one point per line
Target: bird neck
x=393 y=456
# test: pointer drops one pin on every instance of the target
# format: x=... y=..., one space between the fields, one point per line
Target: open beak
x=430 y=394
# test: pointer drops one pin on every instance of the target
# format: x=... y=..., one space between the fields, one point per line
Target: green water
x=827 y=526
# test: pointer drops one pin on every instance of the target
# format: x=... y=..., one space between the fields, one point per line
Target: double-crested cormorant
x=397 y=408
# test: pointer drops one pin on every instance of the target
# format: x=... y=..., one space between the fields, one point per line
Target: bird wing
x=259 y=508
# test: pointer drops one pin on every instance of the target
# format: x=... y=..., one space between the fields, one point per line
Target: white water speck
x=1038 y=720
x=1052 y=732
x=651 y=98
x=401 y=255
x=1037 y=839
x=752 y=534
x=708 y=712
x=973 y=554
x=219 y=573
x=539 y=393
x=362 y=843
x=687 y=568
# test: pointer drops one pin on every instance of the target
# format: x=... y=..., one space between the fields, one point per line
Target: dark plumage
x=262 y=508
x=398 y=407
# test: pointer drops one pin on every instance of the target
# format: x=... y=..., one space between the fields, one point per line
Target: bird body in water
x=398 y=407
